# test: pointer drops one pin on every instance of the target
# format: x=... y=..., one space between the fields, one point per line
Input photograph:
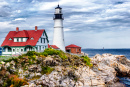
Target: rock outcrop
x=71 y=72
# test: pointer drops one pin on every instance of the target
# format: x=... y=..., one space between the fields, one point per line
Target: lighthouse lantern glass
x=58 y=11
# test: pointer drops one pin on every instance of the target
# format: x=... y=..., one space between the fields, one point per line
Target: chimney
x=17 y=29
x=36 y=28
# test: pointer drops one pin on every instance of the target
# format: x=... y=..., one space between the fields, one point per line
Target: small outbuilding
x=73 y=49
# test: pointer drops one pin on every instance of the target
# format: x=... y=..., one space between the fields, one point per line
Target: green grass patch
x=5 y=57
x=51 y=51
x=46 y=70
x=87 y=60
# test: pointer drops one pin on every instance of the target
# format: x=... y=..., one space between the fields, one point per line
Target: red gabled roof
x=54 y=46
x=48 y=46
x=24 y=33
x=72 y=45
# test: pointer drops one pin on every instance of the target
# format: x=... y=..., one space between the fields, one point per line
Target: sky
x=87 y=23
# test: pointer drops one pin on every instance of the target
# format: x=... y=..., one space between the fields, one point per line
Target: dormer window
x=32 y=38
x=10 y=39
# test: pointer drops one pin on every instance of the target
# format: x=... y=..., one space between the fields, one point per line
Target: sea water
x=126 y=52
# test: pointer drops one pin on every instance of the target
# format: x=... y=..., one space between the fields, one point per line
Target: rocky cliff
x=60 y=69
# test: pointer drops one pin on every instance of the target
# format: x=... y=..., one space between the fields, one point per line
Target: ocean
x=126 y=52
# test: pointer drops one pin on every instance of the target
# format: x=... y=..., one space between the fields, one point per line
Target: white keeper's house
x=18 y=42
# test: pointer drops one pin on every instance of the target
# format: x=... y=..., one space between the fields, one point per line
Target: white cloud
x=5 y=25
x=93 y=19
x=2 y=3
x=20 y=19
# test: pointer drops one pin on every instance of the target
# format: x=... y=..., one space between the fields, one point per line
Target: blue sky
x=87 y=23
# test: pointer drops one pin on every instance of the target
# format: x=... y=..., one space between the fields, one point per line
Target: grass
x=46 y=70
x=87 y=61
x=51 y=51
x=5 y=57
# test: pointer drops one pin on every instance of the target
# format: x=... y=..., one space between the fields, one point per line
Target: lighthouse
x=58 y=38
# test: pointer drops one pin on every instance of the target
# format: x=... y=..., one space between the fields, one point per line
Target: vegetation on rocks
x=46 y=70
x=87 y=61
x=16 y=72
x=14 y=81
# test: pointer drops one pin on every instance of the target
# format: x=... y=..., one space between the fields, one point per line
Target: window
x=44 y=40
x=13 y=50
x=10 y=39
x=36 y=48
x=39 y=47
x=21 y=39
x=43 y=34
x=21 y=50
x=17 y=39
x=41 y=40
x=32 y=38
x=17 y=50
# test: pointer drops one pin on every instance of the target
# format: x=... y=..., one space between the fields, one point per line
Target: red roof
x=72 y=46
x=54 y=46
x=48 y=46
x=24 y=33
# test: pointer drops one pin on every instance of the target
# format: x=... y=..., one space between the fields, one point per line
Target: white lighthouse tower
x=58 y=38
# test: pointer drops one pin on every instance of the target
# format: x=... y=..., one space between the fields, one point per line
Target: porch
x=6 y=50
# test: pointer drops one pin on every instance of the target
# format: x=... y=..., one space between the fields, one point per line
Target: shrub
x=21 y=56
x=63 y=56
x=31 y=53
x=14 y=81
x=87 y=61
x=51 y=51
x=45 y=54
x=32 y=57
x=30 y=62
x=46 y=70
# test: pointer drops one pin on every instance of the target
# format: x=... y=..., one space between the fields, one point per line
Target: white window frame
x=17 y=50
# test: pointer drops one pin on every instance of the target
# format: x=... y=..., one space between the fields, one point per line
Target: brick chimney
x=36 y=28
x=17 y=29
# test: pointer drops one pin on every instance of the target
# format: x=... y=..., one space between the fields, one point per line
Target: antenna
x=58 y=4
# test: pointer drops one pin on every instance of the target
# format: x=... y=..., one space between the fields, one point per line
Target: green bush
x=21 y=56
x=46 y=70
x=51 y=51
x=30 y=62
x=32 y=57
x=63 y=56
x=31 y=53
x=45 y=54
x=87 y=61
